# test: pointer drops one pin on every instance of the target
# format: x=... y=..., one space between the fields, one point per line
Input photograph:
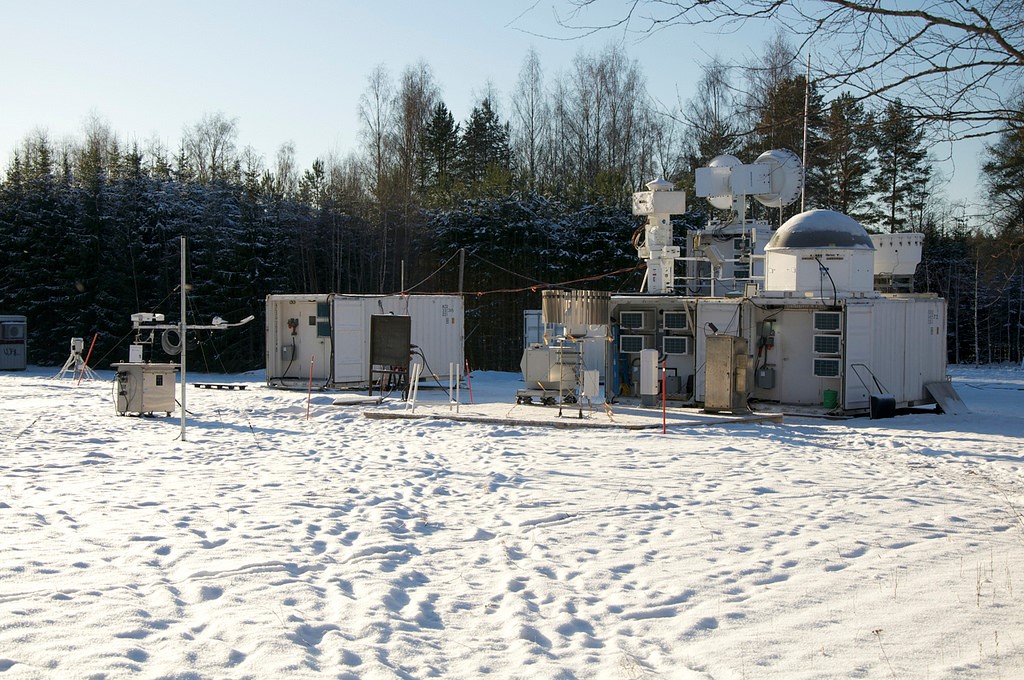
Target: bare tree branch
x=955 y=63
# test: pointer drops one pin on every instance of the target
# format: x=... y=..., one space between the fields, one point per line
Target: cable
x=835 y=294
x=417 y=351
x=507 y=271
x=432 y=274
x=561 y=283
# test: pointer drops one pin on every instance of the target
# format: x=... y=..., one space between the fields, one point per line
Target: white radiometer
x=146 y=317
x=715 y=182
x=659 y=199
x=775 y=180
x=785 y=178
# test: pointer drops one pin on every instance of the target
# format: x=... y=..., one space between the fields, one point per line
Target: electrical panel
x=144 y=388
x=728 y=375
x=390 y=340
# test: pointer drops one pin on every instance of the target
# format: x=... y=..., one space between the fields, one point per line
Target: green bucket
x=829 y=398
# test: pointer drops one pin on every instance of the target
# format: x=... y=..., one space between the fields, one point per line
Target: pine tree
x=847 y=158
x=902 y=174
x=439 y=155
x=485 y=157
x=1004 y=179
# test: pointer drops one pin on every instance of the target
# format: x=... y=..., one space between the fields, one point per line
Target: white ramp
x=949 y=401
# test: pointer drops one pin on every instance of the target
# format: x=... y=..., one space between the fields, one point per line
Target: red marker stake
x=664 y=416
x=309 y=394
x=87 y=355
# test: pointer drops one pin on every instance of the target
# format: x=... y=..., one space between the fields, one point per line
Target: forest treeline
x=520 y=195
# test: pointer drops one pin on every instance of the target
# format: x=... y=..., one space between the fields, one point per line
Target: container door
x=437 y=329
x=857 y=359
x=533 y=327
x=350 y=333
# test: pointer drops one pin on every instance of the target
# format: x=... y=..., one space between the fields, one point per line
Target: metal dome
x=819 y=229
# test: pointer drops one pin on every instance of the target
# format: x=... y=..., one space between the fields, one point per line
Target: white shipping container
x=334 y=330
x=437 y=332
x=296 y=336
x=899 y=341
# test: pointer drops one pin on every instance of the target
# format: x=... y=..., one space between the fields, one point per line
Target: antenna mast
x=807 y=105
x=183 y=331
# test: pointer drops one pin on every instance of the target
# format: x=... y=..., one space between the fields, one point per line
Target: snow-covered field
x=267 y=545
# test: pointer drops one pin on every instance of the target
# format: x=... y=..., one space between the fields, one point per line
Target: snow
x=270 y=545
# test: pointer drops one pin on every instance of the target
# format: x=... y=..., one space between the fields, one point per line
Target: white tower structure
x=659 y=203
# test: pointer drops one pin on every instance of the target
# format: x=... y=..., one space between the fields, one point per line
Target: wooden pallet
x=219 y=386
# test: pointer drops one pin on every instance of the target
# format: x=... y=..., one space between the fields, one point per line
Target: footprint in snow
x=207 y=593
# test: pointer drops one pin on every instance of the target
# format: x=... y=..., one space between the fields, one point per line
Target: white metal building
x=818 y=334
x=332 y=331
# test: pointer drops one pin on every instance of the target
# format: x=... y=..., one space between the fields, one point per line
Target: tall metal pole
x=807 y=105
x=462 y=267
x=183 y=343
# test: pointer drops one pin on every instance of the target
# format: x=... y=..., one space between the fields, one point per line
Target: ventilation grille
x=827 y=321
x=826 y=368
x=633 y=344
x=676 y=321
x=827 y=344
x=676 y=344
x=632 y=320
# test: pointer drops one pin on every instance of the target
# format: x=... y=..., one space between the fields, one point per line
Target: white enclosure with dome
x=820 y=251
x=817 y=313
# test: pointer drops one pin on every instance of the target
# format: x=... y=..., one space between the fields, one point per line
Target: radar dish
x=786 y=177
x=724 y=200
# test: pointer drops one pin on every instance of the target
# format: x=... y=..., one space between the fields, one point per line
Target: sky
x=294 y=72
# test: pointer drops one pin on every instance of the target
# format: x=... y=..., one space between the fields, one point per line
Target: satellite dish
x=786 y=178
x=723 y=201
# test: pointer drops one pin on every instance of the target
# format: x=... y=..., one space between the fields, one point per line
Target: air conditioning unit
x=676 y=344
x=827 y=344
x=634 y=344
x=828 y=321
x=633 y=320
x=826 y=368
x=13 y=331
x=676 y=321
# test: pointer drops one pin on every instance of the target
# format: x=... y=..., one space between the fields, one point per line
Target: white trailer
x=328 y=335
